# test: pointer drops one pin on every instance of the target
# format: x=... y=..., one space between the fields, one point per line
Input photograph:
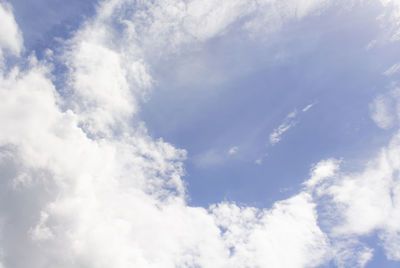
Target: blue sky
x=271 y=126
x=319 y=66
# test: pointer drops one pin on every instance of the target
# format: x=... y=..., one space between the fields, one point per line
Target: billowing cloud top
x=84 y=185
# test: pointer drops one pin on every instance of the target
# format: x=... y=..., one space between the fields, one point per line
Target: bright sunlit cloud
x=86 y=183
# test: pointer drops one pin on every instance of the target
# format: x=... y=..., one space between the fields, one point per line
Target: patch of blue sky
x=44 y=23
x=234 y=91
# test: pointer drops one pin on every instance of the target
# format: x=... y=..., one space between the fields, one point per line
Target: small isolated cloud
x=276 y=135
x=308 y=107
x=233 y=150
x=392 y=70
x=260 y=160
x=371 y=45
x=382 y=112
x=214 y=157
x=287 y=124
x=208 y=159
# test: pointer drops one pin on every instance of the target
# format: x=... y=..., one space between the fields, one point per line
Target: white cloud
x=371 y=44
x=102 y=96
x=367 y=201
x=10 y=35
x=385 y=109
x=391 y=244
x=390 y=18
x=233 y=150
x=287 y=124
x=392 y=69
x=365 y=256
x=308 y=107
x=271 y=15
x=81 y=188
x=351 y=253
x=276 y=135
x=321 y=171
x=263 y=238
x=209 y=158
x=168 y=25
x=90 y=191
x=214 y=157
x=382 y=112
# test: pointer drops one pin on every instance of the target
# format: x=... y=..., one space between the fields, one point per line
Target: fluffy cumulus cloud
x=362 y=202
x=259 y=238
x=84 y=185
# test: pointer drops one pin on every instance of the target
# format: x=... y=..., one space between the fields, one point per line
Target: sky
x=199 y=133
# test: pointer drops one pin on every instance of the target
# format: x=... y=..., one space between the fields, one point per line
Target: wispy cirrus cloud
x=392 y=69
x=308 y=107
x=288 y=123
